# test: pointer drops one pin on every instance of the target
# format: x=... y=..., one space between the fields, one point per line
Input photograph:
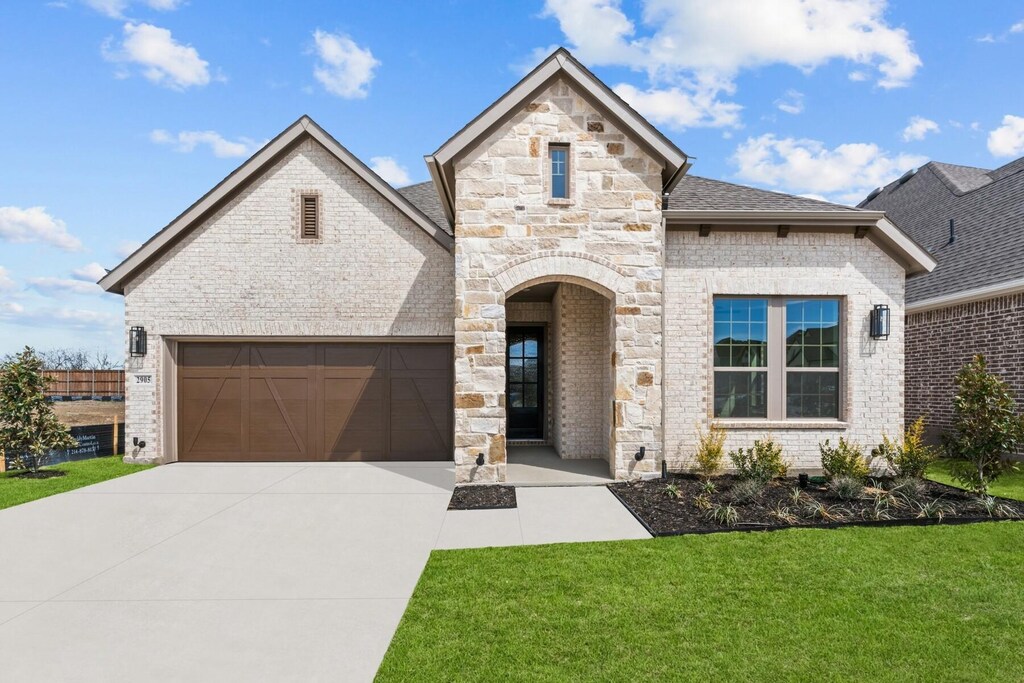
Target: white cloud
x=918 y=127
x=6 y=282
x=74 y=318
x=117 y=8
x=987 y=38
x=344 y=68
x=692 y=50
x=90 y=272
x=163 y=60
x=188 y=140
x=679 y=108
x=858 y=76
x=846 y=172
x=60 y=285
x=24 y=226
x=792 y=102
x=1018 y=27
x=126 y=248
x=1008 y=139
x=390 y=170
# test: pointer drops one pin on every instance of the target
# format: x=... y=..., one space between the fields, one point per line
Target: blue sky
x=117 y=114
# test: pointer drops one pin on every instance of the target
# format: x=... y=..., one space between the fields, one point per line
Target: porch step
x=527 y=442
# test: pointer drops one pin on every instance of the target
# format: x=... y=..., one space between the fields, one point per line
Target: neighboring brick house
x=561 y=280
x=972 y=221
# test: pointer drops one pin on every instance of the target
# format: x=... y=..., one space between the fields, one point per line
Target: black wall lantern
x=137 y=341
x=880 y=322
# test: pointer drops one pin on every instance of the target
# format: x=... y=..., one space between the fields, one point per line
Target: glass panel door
x=525 y=382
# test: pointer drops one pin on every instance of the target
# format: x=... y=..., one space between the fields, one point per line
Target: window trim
x=776 y=369
x=549 y=179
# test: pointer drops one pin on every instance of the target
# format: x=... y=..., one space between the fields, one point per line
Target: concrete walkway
x=544 y=515
x=246 y=571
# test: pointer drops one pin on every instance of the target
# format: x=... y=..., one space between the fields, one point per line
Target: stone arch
x=588 y=270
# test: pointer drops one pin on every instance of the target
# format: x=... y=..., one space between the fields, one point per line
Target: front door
x=525 y=383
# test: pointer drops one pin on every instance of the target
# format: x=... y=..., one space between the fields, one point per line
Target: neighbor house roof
x=240 y=178
x=559 y=65
x=983 y=254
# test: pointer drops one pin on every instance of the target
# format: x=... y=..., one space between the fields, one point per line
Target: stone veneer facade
x=941 y=341
x=802 y=264
x=607 y=236
x=245 y=272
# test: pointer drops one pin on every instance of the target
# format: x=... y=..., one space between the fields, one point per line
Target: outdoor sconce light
x=641 y=453
x=137 y=341
x=480 y=460
x=880 y=322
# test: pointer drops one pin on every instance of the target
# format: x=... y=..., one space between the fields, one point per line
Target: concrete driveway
x=245 y=571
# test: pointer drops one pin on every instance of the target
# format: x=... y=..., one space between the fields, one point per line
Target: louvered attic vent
x=310 y=216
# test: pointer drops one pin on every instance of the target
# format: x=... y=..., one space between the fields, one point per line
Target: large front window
x=776 y=358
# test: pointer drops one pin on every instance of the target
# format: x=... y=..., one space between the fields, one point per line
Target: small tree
x=29 y=430
x=986 y=427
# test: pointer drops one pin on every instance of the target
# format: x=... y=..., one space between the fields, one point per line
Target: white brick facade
x=582 y=372
x=802 y=264
x=245 y=272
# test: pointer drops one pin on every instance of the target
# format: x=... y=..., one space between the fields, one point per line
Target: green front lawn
x=1007 y=486
x=865 y=604
x=15 y=491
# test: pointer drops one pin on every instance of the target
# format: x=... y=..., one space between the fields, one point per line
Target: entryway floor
x=541 y=466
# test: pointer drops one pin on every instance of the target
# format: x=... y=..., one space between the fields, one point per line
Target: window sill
x=772 y=425
x=561 y=202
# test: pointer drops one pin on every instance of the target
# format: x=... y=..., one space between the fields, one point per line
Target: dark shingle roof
x=692 y=192
x=703 y=194
x=987 y=208
x=425 y=198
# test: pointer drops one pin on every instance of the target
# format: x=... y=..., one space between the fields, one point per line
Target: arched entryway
x=624 y=409
x=559 y=375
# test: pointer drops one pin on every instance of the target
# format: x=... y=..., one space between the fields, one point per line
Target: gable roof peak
x=302 y=129
x=560 y=64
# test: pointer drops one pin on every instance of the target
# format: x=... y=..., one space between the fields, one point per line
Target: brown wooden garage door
x=279 y=401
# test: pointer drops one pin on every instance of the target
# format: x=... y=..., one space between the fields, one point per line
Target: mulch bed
x=490 y=497
x=664 y=514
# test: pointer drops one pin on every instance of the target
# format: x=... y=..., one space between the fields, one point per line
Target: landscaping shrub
x=845 y=487
x=909 y=488
x=710 y=450
x=747 y=491
x=672 y=491
x=29 y=430
x=986 y=428
x=763 y=461
x=846 y=459
x=725 y=515
x=909 y=457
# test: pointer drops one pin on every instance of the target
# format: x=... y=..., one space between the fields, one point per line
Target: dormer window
x=559 y=158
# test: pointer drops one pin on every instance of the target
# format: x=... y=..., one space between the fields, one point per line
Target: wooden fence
x=85 y=383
